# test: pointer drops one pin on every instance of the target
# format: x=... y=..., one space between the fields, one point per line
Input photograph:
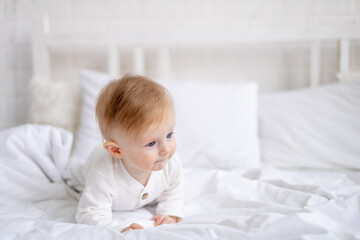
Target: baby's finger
x=126 y=229
x=158 y=220
x=167 y=220
x=136 y=226
x=157 y=216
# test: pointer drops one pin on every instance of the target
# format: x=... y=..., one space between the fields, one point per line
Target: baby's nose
x=164 y=149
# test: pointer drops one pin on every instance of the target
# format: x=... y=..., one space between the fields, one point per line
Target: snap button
x=144 y=196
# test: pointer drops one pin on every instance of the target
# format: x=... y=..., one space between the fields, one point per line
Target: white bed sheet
x=264 y=203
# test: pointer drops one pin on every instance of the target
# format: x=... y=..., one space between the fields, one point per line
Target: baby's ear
x=113 y=148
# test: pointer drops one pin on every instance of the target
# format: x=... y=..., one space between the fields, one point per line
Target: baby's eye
x=169 y=135
x=150 y=144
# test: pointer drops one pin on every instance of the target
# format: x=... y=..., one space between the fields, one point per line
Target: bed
x=281 y=165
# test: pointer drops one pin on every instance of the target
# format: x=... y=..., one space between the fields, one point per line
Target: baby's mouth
x=161 y=160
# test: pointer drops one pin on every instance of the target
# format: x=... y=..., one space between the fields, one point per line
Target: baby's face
x=152 y=149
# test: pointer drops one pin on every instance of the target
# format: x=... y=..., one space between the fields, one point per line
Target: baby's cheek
x=146 y=161
x=150 y=160
x=173 y=148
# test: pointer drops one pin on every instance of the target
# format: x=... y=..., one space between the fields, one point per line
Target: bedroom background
x=275 y=66
x=279 y=163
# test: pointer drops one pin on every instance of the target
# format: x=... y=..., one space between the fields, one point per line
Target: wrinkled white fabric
x=261 y=203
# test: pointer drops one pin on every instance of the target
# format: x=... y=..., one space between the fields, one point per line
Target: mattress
x=242 y=203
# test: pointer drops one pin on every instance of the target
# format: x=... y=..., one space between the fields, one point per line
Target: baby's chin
x=159 y=165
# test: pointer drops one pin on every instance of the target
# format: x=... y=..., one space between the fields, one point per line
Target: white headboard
x=137 y=45
x=64 y=36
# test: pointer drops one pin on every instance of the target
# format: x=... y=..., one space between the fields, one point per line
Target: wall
x=274 y=65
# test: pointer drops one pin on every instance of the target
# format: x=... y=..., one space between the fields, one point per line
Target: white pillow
x=312 y=128
x=88 y=133
x=216 y=123
x=55 y=103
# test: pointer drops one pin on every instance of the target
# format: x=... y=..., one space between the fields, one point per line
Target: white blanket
x=266 y=203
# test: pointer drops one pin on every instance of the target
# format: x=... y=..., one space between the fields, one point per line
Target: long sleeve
x=95 y=206
x=171 y=201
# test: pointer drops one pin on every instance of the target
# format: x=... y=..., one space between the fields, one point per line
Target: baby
x=137 y=164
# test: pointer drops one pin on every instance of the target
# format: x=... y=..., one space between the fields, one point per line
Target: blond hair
x=132 y=103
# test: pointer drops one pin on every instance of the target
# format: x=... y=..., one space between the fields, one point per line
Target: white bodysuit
x=109 y=186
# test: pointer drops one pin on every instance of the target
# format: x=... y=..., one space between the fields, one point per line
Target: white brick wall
x=274 y=66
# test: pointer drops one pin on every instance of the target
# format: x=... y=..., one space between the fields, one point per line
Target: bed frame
x=43 y=40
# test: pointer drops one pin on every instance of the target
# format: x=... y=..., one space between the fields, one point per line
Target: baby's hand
x=132 y=226
x=164 y=219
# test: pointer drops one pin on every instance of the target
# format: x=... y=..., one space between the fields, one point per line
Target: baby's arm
x=171 y=201
x=95 y=206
